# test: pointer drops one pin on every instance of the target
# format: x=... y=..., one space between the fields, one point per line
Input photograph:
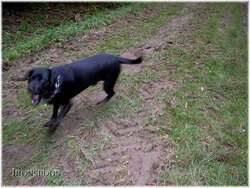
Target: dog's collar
x=58 y=83
x=57 y=86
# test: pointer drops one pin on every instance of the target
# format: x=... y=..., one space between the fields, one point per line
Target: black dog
x=59 y=84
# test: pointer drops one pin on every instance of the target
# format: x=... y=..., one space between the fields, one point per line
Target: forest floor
x=178 y=118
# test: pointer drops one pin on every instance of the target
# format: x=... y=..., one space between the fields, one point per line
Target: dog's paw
x=51 y=123
x=102 y=101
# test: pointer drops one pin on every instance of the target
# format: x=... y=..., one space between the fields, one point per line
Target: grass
x=207 y=128
x=211 y=133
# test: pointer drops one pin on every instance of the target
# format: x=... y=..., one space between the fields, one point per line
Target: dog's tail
x=130 y=61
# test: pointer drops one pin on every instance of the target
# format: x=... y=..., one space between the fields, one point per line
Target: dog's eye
x=40 y=79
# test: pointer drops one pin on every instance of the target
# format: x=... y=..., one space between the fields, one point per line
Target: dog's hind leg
x=109 y=83
x=109 y=87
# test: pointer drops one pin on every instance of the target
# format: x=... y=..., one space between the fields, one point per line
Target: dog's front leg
x=64 y=111
x=54 y=116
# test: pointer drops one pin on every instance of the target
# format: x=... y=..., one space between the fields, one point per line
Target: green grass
x=210 y=135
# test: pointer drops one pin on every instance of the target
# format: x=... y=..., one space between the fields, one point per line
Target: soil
x=133 y=156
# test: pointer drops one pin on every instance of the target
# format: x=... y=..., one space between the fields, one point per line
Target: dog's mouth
x=36 y=99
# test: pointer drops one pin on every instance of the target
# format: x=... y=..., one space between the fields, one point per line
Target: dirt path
x=128 y=141
x=132 y=156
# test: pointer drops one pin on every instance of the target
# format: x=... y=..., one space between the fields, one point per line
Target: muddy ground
x=132 y=156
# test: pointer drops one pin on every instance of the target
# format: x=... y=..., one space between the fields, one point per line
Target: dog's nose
x=33 y=88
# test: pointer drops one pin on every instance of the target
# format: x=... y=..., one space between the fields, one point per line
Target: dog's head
x=39 y=83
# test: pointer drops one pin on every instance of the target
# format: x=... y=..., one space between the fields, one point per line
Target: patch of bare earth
x=130 y=156
x=133 y=156
x=13 y=155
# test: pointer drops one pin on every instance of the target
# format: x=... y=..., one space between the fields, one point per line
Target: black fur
x=59 y=84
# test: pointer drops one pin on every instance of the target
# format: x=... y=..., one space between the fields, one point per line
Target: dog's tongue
x=35 y=99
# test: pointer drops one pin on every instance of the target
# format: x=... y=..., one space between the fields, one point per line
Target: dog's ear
x=29 y=73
